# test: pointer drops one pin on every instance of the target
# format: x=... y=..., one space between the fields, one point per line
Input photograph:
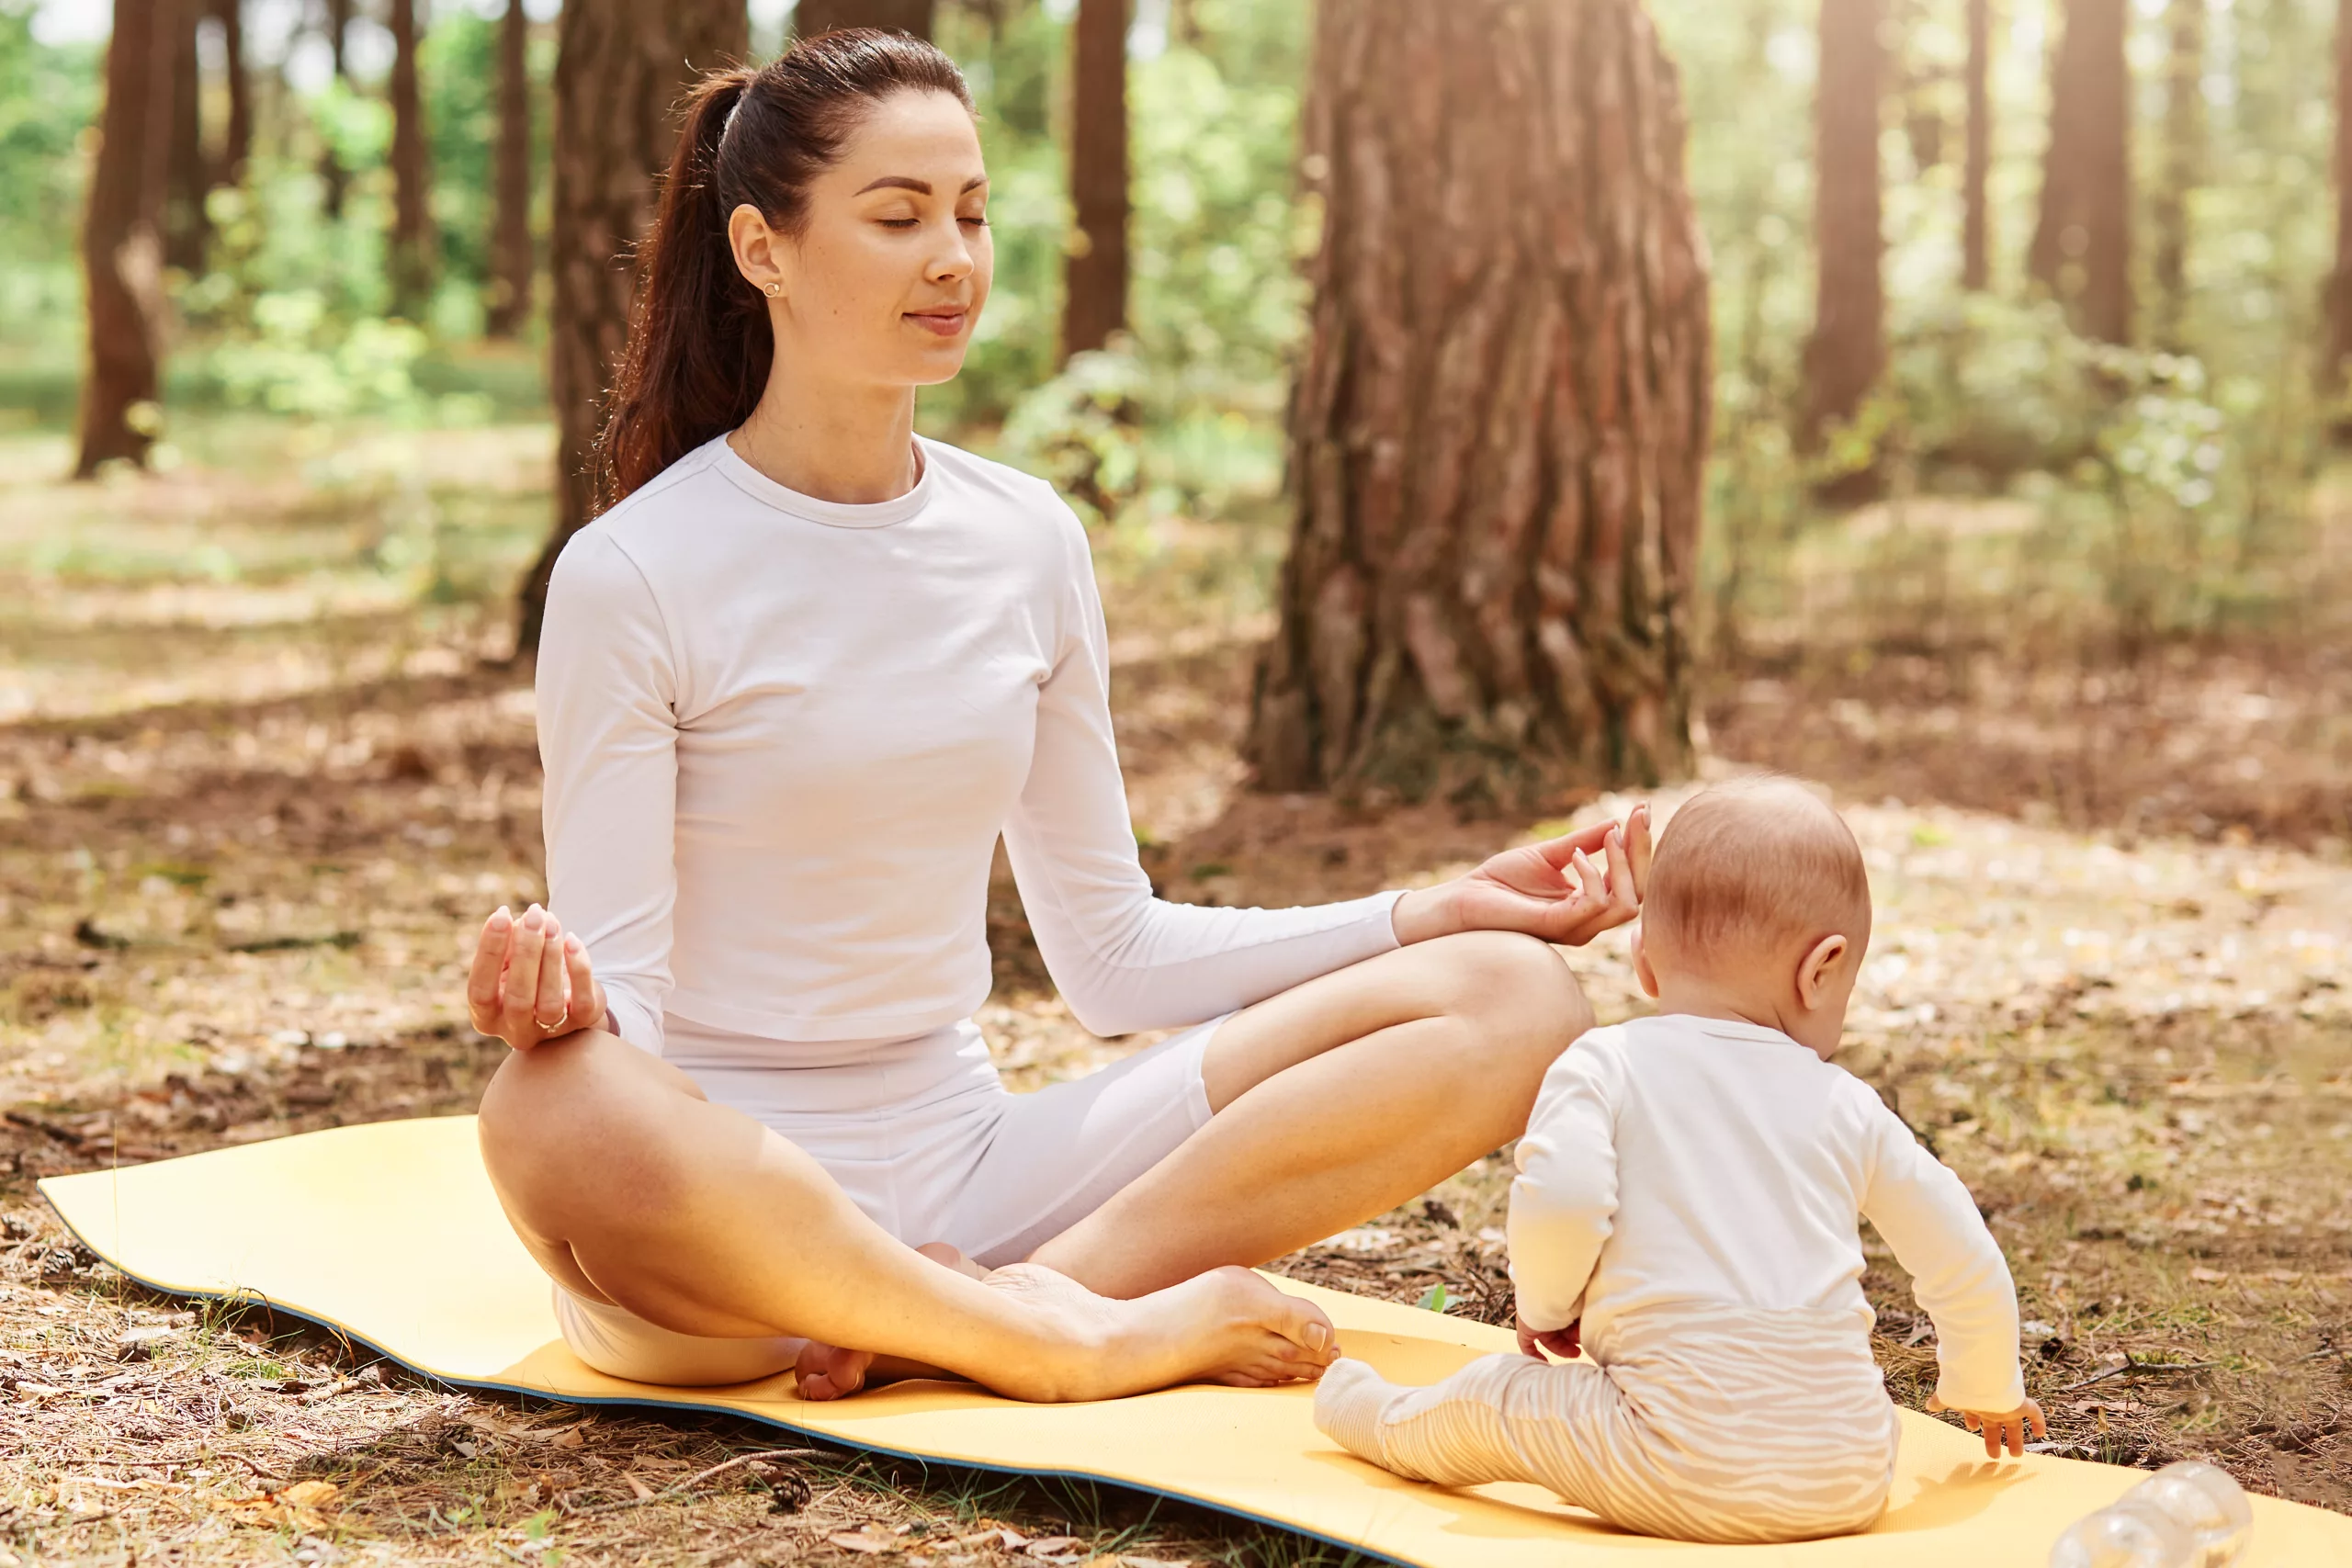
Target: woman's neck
x=851 y=445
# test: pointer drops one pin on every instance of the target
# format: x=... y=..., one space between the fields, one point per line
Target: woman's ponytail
x=699 y=343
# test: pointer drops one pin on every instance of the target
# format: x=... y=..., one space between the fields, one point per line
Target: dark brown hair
x=699 y=344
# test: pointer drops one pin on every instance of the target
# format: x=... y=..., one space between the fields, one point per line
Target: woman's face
x=884 y=285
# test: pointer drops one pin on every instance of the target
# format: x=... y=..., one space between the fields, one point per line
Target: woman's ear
x=1642 y=970
x=761 y=254
x=1812 y=970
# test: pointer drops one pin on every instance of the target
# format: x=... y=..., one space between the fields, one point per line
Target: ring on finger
x=559 y=1023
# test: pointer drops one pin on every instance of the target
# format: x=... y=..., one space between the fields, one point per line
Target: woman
x=793 y=685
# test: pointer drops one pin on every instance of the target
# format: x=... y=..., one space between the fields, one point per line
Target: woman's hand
x=530 y=980
x=1566 y=890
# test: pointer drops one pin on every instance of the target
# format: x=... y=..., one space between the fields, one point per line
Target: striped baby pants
x=1701 y=1422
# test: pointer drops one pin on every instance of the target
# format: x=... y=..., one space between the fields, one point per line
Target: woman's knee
x=557 y=1119
x=1516 y=992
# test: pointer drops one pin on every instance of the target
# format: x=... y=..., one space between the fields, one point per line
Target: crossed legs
x=1334 y=1101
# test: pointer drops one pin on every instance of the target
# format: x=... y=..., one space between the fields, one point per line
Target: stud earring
x=774 y=289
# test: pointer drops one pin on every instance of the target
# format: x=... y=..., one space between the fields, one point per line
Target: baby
x=1688 y=1200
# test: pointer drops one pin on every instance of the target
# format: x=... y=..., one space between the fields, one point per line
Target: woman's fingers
x=586 y=1001
x=1562 y=852
x=1624 y=900
x=1637 y=849
x=522 y=993
x=489 y=959
x=549 y=1007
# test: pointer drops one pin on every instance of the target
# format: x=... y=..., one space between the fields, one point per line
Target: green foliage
x=2165 y=482
x=49 y=96
x=1183 y=413
x=297 y=359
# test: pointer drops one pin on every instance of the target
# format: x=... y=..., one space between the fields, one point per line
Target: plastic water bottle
x=2189 y=1515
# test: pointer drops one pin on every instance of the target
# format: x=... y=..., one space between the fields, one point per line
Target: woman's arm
x=1123 y=959
x=606 y=694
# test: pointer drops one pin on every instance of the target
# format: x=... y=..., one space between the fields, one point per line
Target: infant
x=1688 y=1203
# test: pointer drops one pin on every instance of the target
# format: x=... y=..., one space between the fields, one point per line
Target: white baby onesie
x=1690 y=1193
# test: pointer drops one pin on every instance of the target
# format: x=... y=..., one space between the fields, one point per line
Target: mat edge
x=624 y=1402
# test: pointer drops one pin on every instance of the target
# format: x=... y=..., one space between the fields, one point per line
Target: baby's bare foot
x=1227 y=1326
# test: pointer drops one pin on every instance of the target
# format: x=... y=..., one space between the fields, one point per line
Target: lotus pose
x=794 y=681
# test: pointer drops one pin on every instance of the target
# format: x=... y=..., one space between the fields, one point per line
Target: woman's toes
x=1303 y=1327
x=826 y=1371
x=940 y=1252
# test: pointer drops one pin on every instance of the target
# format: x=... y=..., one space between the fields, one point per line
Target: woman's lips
x=943 y=324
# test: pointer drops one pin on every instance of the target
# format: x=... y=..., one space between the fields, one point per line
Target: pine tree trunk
x=621 y=67
x=238 y=145
x=2184 y=162
x=814 y=17
x=2082 y=243
x=1498 y=430
x=412 y=246
x=1094 y=298
x=122 y=242
x=510 y=245
x=1844 y=356
x=1975 y=216
x=186 y=231
x=2335 y=357
x=333 y=177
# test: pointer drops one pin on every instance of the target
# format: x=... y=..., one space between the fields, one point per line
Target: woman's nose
x=953 y=261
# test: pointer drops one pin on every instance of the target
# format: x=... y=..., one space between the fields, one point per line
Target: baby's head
x=1757 y=904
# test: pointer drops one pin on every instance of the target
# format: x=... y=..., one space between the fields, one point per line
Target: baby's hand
x=1561 y=1342
x=2006 y=1430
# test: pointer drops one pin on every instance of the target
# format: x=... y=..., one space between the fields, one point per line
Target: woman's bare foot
x=1227 y=1326
x=828 y=1372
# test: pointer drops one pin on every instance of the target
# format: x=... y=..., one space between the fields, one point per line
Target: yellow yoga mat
x=390 y=1233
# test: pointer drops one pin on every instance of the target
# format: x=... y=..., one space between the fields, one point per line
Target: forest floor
x=261 y=772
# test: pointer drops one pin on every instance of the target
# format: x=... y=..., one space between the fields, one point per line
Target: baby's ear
x=1814 y=969
x=1642 y=970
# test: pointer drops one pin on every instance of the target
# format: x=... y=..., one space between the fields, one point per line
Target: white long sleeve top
x=781 y=736
x=1685 y=1159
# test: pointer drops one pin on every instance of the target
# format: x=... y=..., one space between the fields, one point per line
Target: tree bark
x=123 y=245
x=1499 y=430
x=411 y=247
x=332 y=174
x=1094 y=295
x=1976 y=164
x=237 y=145
x=814 y=17
x=186 y=231
x=621 y=67
x=510 y=246
x=2336 y=294
x=1847 y=352
x=2183 y=162
x=2082 y=243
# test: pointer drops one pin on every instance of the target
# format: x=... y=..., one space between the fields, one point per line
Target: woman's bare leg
x=1338 y=1101
x=629 y=1187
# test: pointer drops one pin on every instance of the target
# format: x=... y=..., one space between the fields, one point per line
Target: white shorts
x=923 y=1136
